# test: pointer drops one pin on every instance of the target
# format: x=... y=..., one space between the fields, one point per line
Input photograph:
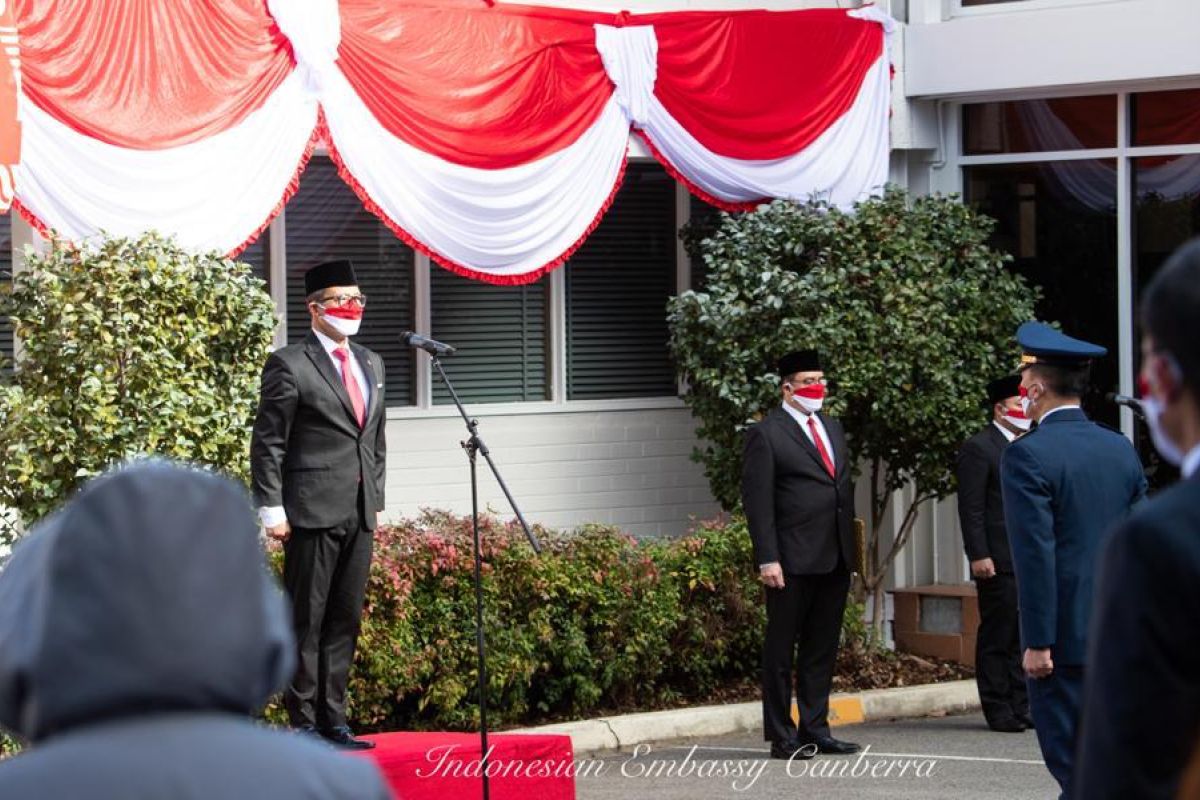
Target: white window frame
x=424 y=406
x=948 y=177
x=955 y=8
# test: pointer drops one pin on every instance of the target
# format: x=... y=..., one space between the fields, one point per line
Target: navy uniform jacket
x=1066 y=484
x=1141 y=719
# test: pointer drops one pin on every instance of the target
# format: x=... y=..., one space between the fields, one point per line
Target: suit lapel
x=793 y=428
x=324 y=364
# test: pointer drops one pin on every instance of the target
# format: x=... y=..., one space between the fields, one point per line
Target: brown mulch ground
x=859 y=669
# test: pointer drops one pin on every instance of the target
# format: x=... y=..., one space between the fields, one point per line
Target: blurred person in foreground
x=1141 y=717
x=139 y=630
x=1066 y=484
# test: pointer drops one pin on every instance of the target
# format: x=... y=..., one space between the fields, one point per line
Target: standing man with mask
x=1065 y=485
x=799 y=504
x=317 y=464
x=1141 y=717
x=998 y=671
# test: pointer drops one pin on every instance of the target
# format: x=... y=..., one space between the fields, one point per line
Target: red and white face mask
x=343 y=319
x=811 y=397
x=1016 y=417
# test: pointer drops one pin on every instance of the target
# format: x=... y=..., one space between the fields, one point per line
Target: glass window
x=326 y=221
x=500 y=334
x=617 y=286
x=1163 y=118
x=1166 y=194
x=1031 y=126
x=1058 y=220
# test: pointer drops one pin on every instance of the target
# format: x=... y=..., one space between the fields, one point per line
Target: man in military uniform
x=1065 y=485
x=998 y=671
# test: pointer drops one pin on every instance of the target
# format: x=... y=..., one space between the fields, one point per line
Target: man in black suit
x=1141 y=713
x=998 y=672
x=317 y=464
x=799 y=504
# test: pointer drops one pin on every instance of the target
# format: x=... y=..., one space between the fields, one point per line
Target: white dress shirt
x=270 y=516
x=1007 y=433
x=1055 y=411
x=1191 y=462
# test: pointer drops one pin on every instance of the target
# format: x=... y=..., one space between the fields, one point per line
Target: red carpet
x=425 y=766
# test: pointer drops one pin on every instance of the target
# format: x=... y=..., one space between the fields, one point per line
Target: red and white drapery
x=10 y=82
x=492 y=138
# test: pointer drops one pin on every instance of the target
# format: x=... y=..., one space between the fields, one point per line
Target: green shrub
x=598 y=621
x=913 y=311
x=129 y=347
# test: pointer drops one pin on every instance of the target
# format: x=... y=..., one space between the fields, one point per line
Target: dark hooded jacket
x=139 y=629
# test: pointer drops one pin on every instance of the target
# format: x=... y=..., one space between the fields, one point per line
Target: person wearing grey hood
x=139 y=630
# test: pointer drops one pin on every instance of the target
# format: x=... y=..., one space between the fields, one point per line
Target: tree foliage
x=128 y=347
x=913 y=312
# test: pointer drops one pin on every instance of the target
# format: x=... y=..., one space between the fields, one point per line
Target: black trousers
x=998 y=671
x=804 y=625
x=325 y=576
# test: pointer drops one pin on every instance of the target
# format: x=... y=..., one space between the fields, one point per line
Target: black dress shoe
x=831 y=746
x=793 y=750
x=343 y=738
x=1024 y=718
x=1007 y=724
x=309 y=730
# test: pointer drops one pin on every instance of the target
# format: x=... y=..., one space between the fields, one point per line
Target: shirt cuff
x=768 y=564
x=270 y=516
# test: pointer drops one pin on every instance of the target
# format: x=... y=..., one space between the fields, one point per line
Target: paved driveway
x=948 y=757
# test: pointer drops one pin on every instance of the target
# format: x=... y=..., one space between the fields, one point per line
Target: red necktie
x=812 y=426
x=356 y=398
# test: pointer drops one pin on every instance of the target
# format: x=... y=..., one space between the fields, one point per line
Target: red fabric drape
x=149 y=74
x=796 y=74
x=483 y=87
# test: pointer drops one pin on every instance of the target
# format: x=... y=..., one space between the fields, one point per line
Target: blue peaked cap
x=1041 y=344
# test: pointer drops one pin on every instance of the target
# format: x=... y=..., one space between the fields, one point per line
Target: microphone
x=431 y=346
x=1132 y=403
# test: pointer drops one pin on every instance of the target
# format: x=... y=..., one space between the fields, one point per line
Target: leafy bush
x=129 y=347
x=598 y=621
x=912 y=310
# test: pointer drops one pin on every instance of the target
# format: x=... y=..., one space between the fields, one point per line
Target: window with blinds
x=258 y=255
x=500 y=334
x=617 y=286
x=325 y=221
x=703 y=220
x=6 y=331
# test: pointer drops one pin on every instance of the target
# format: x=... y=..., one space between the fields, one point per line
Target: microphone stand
x=473 y=445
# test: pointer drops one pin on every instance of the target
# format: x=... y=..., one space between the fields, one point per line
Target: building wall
x=565 y=467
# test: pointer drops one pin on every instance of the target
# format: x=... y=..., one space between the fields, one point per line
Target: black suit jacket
x=798 y=514
x=980 y=501
x=307 y=452
x=1141 y=712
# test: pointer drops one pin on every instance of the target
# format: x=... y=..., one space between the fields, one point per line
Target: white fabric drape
x=847 y=163
x=213 y=194
x=504 y=222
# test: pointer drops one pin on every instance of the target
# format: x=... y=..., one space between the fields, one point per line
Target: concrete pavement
x=950 y=757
